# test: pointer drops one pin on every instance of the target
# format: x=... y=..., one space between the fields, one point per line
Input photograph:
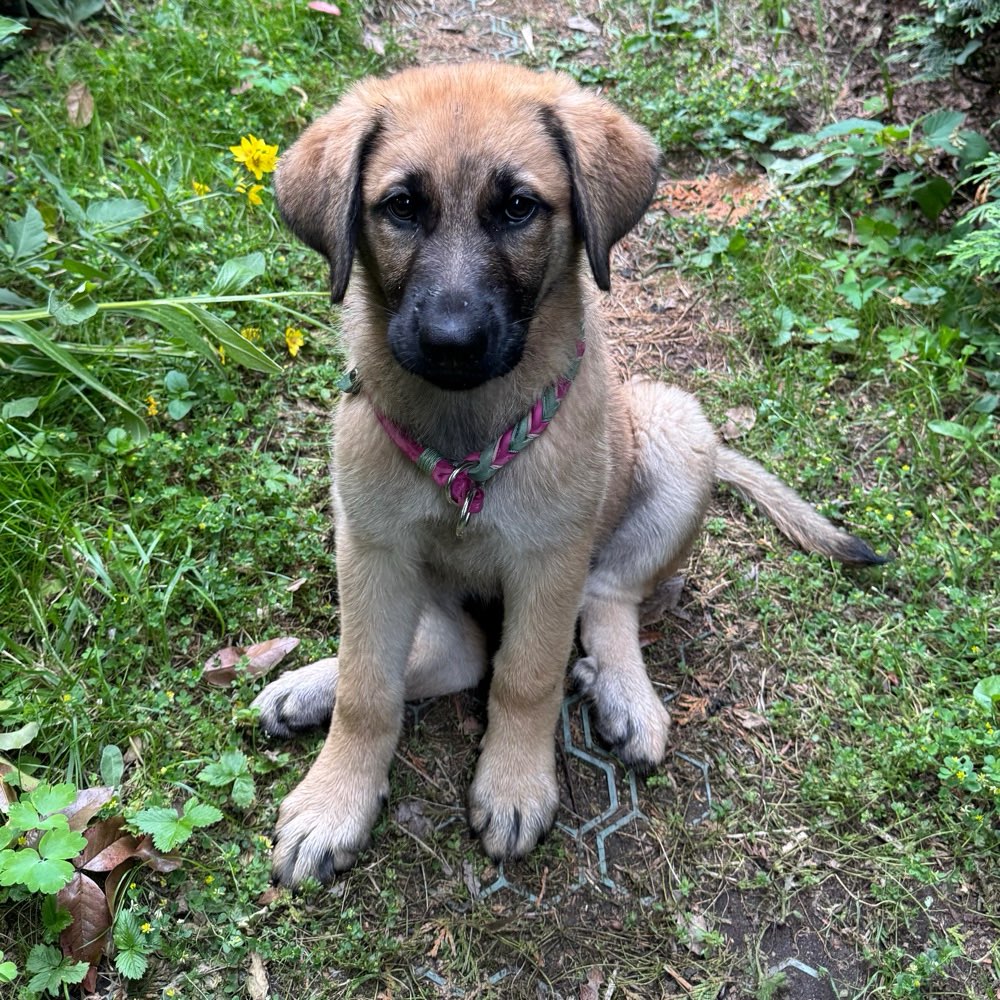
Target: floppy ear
x=318 y=183
x=613 y=165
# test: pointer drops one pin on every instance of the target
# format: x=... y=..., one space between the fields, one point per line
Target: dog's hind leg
x=671 y=486
x=448 y=655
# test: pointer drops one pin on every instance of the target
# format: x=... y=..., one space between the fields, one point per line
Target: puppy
x=484 y=448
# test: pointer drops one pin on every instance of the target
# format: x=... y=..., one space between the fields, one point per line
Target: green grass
x=125 y=562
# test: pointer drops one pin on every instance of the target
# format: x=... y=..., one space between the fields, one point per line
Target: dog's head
x=466 y=193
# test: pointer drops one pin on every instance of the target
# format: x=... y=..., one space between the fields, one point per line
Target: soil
x=605 y=901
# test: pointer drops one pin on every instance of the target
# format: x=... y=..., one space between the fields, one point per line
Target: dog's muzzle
x=455 y=341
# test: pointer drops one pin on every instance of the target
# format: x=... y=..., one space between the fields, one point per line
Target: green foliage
x=976 y=247
x=950 y=35
x=737 y=104
x=133 y=945
x=49 y=970
x=233 y=769
x=169 y=828
x=43 y=868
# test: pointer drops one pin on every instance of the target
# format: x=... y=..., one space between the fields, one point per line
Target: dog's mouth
x=457 y=348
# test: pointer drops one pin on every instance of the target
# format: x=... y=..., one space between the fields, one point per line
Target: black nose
x=452 y=330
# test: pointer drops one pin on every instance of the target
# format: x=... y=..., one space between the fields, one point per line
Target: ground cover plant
x=830 y=823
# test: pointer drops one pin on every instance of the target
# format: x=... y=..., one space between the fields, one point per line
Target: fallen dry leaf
x=113 y=855
x=748 y=719
x=325 y=8
x=84 y=939
x=221 y=668
x=295 y=584
x=87 y=804
x=739 y=420
x=98 y=837
x=577 y=23
x=79 y=105
x=693 y=928
x=591 y=989
x=258 y=988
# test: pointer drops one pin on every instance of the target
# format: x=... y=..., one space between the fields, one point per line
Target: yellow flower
x=209 y=879
x=251 y=333
x=170 y=695
x=294 y=338
x=146 y=927
x=67 y=697
x=199 y=189
x=256 y=155
x=222 y=354
x=152 y=405
x=251 y=192
x=960 y=775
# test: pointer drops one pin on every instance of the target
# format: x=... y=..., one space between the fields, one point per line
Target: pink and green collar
x=464 y=481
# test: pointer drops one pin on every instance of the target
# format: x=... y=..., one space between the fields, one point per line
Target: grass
x=853 y=814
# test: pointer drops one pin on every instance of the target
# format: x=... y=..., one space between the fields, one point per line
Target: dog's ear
x=318 y=183
x=613 y=165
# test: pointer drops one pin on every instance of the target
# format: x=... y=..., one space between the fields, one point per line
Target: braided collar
x=464 y=481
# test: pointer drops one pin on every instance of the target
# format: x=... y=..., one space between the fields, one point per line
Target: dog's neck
x=455 y=423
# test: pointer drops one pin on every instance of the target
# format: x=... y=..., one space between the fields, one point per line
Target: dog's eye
x=519 y=209
x=402 y=208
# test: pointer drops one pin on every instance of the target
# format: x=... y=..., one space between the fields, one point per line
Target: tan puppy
x=465 y=213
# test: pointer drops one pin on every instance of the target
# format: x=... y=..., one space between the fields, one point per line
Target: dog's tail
x=793 y=516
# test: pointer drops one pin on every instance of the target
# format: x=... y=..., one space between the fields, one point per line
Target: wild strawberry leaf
x=169 y=829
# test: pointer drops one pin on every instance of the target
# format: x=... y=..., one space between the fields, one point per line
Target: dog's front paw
x=511 y=807
x=322 y=827
x=633 y=723
x=298 y=699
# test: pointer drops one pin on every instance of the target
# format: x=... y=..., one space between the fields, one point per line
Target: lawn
x=827 y=823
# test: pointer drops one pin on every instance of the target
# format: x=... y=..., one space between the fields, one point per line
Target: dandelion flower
x=256 y=155
x=294 y=339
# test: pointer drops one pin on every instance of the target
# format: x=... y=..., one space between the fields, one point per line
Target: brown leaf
x=84 y=939
x=740 y=419
x=295 y=584
x=591 y=989
x=152 y=858
x=221 y=668
x=99 y=836
x=79 y=105
x=648 y=636
x=258 y=988
x=113 y=855
x=748 y=719
x=86 y=805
